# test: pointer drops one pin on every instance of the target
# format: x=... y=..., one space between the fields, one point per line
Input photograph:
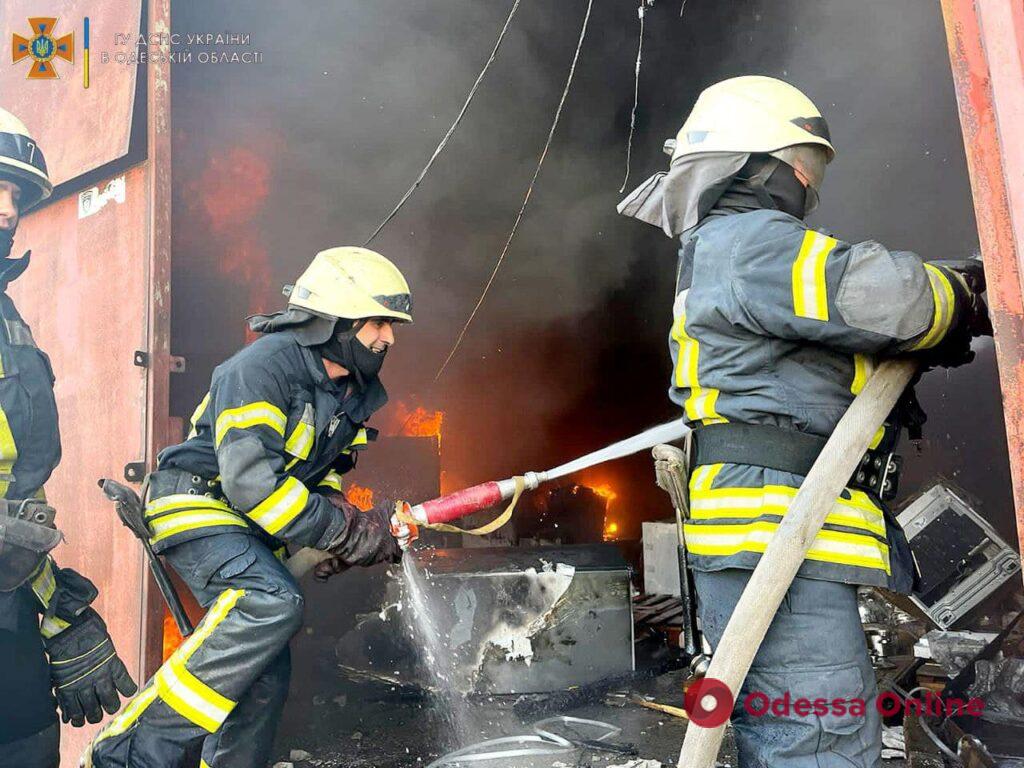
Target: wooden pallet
x=662 y=614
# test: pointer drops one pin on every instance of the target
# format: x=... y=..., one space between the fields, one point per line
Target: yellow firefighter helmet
x=22 y=161
x=759 y=115
x=353 y=283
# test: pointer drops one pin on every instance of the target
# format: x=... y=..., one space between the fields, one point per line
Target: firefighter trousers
x=41 y=750
x=220 y=695
x=814 y=650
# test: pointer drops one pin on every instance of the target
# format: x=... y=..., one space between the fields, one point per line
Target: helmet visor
x=396 y=302
x=808 y=160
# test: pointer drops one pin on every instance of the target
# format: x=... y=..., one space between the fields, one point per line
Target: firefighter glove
x=968 y=283
x=85 y=670
x=366 y=537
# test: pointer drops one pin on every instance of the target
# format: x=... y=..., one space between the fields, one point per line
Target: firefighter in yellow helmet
x=284 y=419
x=777 y=326
x=68 y=651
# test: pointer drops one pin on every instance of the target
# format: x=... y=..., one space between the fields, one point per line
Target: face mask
x=10 y=268
x=346 y=350
x=775 y=185
x=6 y=242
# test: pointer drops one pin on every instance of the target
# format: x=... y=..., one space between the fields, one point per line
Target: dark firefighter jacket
x=272 y=435
x=29 y=452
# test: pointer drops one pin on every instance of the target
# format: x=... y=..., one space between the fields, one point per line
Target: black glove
x=366 y=538
x=972 y=320
x=975 y=310
x=86 y=671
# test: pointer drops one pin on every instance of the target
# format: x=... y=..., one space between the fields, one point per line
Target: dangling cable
x=451 y=131
x=526 y=200
x=636 y=95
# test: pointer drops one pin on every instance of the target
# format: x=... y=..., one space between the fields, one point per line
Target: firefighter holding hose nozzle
x=284 y=419
x=67 y=651
x=777 y=327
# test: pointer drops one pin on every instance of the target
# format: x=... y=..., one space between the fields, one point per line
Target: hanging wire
x=636 y=95
x=526 y=200
x=451 y=131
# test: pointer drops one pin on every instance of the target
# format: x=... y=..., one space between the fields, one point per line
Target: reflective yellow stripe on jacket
x=331 y=480
x=8 y=455
x=181 y=512
x=360 y=441
x=281 y=507
x=44 y=586
x=250 y=415
x=942 y=315
x=700 y=405
x=810 y=289
x=197 y=414
x=728 y=521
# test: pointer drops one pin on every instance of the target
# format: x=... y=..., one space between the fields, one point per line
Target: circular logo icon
x=708 y=702
x=42 y=48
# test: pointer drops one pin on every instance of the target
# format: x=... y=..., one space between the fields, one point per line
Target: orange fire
x=414 y=422
x=605 y=491
x=172 y=637
x=418 y=422
x=360 y=496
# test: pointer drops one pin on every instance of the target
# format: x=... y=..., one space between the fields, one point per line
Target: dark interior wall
x=311 y=148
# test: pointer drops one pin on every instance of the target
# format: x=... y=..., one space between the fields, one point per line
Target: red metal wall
x=986 y=48
x=96 y=292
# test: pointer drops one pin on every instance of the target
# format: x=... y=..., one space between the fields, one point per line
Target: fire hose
x=786 y=551
x=439 y=513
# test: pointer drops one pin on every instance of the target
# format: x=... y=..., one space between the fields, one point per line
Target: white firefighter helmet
x=353 y=283
x=22 y=161
x=732 y=120
x=758 y=115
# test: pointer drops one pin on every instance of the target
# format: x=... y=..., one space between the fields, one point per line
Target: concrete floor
x=365 y=728
x=371 y=726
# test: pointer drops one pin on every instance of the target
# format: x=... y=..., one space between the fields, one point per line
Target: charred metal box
x=529 y=620
x=960 y=557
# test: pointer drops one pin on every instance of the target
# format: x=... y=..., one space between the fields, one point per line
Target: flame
x=606 y=492
x=360 y=497
x=172 y=637
x=415 y=422
x=230 y=196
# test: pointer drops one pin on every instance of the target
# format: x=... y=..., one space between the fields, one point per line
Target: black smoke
x=569 y=351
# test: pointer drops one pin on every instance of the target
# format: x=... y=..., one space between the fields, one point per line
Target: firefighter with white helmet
x=68 y=652
x=261 y=470
x=777 y=327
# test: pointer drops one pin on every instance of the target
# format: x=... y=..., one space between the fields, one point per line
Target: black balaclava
x=6 y=242
x=10 y=268
x=766 y=182
x=345 y=349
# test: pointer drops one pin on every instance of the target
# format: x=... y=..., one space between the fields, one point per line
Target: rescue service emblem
x=43 y=48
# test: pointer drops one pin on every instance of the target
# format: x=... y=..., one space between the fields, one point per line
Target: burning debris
x=359 y=496
x=415 y=422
